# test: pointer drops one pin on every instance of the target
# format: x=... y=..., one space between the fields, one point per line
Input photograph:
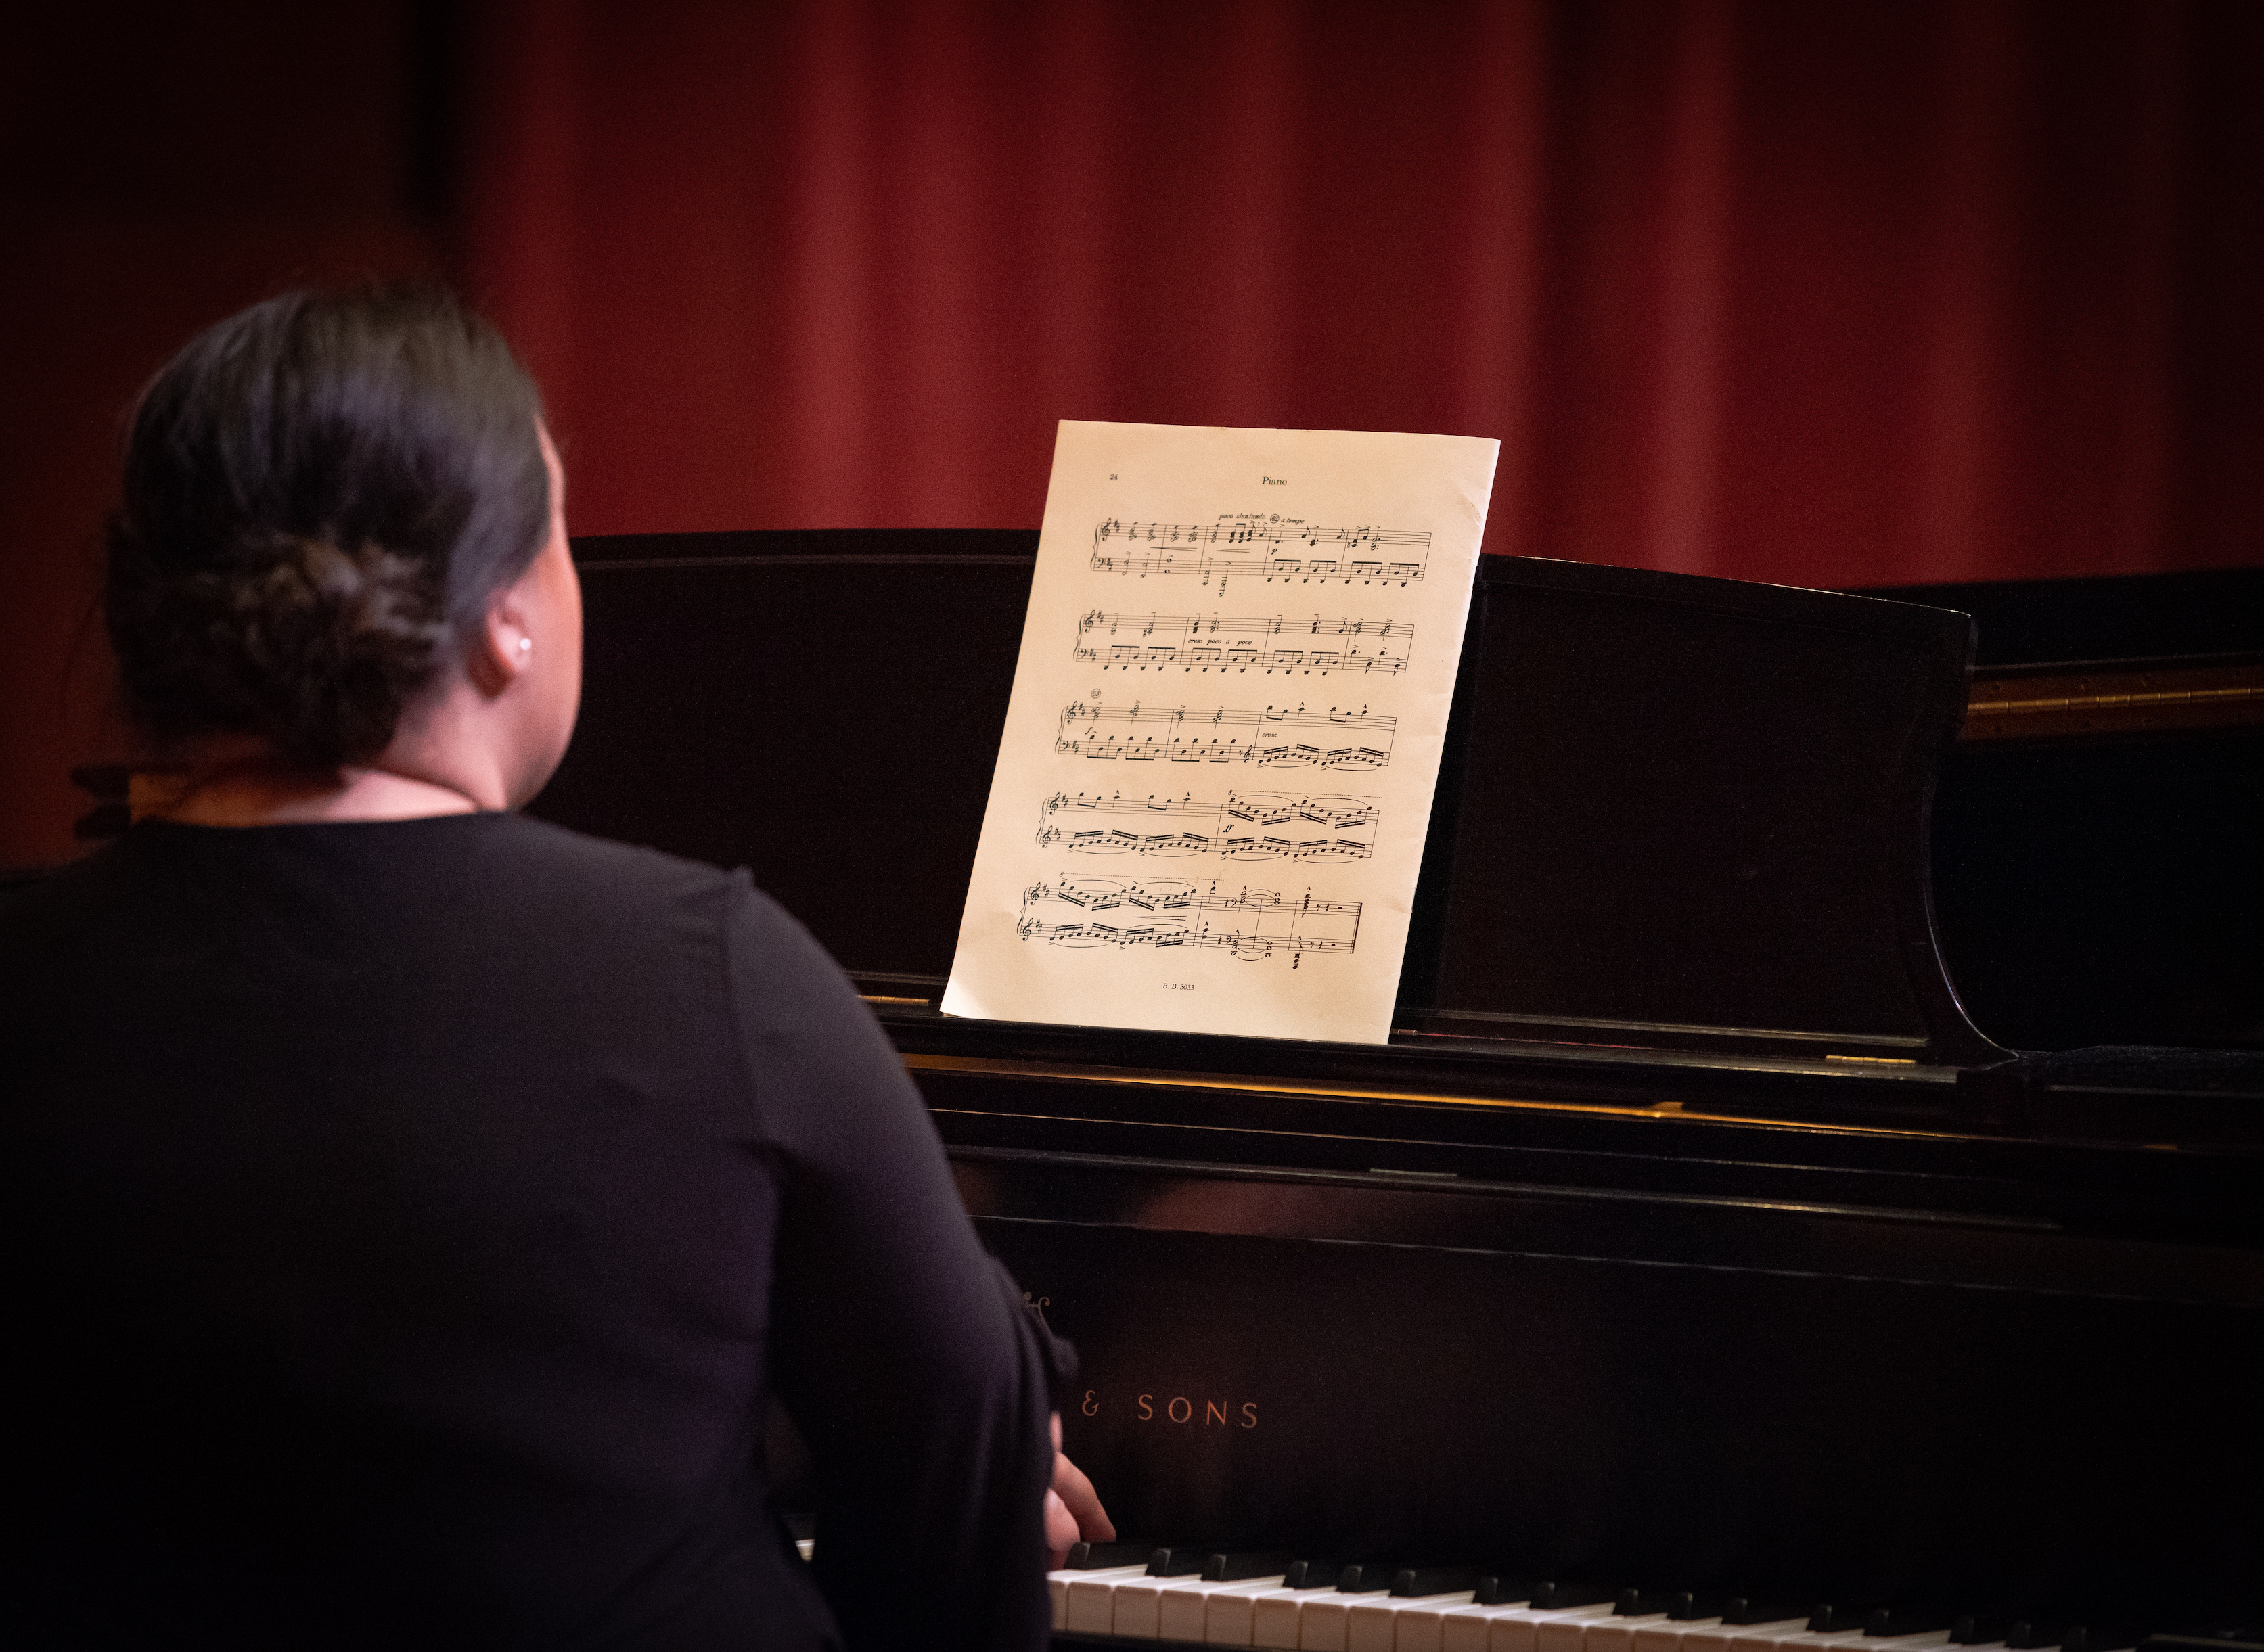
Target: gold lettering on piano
x=1180 y=1408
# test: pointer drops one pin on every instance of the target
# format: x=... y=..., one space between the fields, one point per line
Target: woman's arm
x=899 y=1347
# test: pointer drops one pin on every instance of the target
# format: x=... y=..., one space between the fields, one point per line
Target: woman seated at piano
x=417 y=1205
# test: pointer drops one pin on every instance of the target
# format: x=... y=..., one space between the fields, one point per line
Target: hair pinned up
x=321 y=494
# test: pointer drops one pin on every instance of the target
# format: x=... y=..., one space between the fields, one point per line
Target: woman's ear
x=502 y=647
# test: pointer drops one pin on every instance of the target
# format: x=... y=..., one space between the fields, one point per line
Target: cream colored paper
x=1211 y=796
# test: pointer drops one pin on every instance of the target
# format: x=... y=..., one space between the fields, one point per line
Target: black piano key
x=1178 y=1560
x=1645 y=1603
x=1832 y=1619
x=2023 y=1635
x=1411 y=1583
x=2099 y=1637
x=1090 y=1557
x=1370 y=1578
x=1310 y=1574
x=1743 y=1609
x=1239 y=1568
x=1500 y=1588
x=1882 y=1621
x=1555 y=1596
x=1689 y=1606
x=1967 y=1630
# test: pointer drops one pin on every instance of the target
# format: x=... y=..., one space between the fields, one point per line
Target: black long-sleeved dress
x=407 y=1221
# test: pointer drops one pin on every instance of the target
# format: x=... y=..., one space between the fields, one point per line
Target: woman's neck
x=231 y=783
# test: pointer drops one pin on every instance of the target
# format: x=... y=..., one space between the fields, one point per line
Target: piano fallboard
x=1688 y=1342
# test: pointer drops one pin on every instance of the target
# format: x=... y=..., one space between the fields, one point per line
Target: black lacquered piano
x=1815 y=1186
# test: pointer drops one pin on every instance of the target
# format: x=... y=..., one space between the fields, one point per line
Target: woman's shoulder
x=531 y=864
x=560 y=850
x=469 y=873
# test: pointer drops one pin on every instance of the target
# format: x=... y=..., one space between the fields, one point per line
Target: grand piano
x=1816 y=1172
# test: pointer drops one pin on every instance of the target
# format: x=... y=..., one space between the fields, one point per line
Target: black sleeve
x=898 y=1346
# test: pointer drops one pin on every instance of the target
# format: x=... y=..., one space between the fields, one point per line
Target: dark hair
x=321 y=493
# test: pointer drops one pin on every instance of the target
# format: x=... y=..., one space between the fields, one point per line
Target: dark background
x=1854 y=295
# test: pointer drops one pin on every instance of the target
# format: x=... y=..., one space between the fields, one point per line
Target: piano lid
x=1691 y=813
x=1678 y=814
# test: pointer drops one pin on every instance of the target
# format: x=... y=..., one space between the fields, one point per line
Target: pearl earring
x=526 y=644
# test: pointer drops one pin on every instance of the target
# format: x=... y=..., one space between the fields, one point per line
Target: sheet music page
x=1211 y=800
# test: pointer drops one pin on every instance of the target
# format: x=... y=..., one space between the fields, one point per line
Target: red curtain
x=1844 y=293
x=1826 y=294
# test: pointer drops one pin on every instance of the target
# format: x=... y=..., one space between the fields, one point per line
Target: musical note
x=1250 y=824
x=1261 y=546
x=1312 y=647
x=1251 y=923
x=1345 y=739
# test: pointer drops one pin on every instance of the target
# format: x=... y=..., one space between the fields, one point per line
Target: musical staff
x=1248 y=823
x=1278 y=643
x=1261 y=546
x=1277 y=736
x=1251 y=923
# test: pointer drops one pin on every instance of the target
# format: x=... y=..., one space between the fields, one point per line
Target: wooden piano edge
x=2212 y=1101
x=2079 y=700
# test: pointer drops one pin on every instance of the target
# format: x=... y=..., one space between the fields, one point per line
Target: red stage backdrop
x=1827 y=294
x=1845 y=293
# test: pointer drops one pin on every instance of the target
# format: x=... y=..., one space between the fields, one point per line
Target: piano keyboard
x=1321 y=1608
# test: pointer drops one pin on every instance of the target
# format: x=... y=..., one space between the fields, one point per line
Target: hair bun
x=310 y=647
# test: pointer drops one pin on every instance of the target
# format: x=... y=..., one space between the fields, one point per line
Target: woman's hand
x=1073 y=1510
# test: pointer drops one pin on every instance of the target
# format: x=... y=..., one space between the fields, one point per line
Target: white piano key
x=1471 y=1628
x=1091 y=1605
x=1139 y=1608
x=1665 y=1634
x=1856 y=1640
x=1275 y=1614
x=1184 y=1606
x=1567 y=1631
x=1230 y=1619
x=1422 y=1626
x=1797 y=1637
x=1716 y=1636
x=1376 y=1625
x=1322 y=1624
x=1468 y=1629
x=1616 y=1633
x=1518 y=1629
